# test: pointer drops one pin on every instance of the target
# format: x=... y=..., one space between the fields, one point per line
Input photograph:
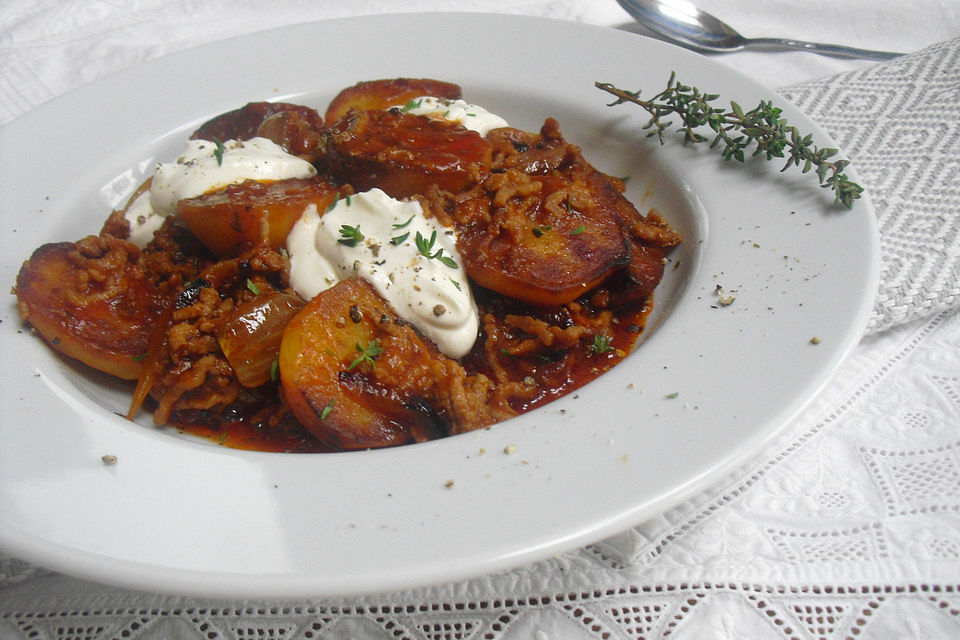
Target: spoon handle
x=826 y=49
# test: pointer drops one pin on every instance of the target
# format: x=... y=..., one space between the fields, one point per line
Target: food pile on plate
x=405 y=267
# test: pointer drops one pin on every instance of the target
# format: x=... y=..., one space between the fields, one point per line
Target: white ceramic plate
x=191 y=517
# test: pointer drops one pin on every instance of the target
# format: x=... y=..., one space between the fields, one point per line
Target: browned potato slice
x=354 y=374
x=232 y=219
x=534 y=245
x=404 y=154
x=297 y=132
x=243 y=123
x=383 y=94
x=90 y=301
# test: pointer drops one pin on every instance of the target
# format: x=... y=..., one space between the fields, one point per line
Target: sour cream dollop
x=199 y=170
x=143 y=220
x=427 y=292
x=468 y=115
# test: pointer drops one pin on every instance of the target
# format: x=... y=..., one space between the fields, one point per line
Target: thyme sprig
x=425 y=247
x=367 y=354
x=736 y=130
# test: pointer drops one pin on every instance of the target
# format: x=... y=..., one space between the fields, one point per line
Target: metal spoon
x=679 y=20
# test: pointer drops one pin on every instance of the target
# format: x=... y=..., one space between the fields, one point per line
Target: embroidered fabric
x=847 y=526
x=899 y=123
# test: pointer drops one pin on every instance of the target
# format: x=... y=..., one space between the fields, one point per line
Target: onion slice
x=250 y=335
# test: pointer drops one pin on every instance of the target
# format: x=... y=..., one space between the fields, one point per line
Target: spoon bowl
x=682 y=22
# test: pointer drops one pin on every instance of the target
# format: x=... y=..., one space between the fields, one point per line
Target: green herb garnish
x=401 y=226
x=326 y=410
x=275 y=370
x=539 y=231
x=397 y=240
x=367 y=354
x=412 y=104
x=252 y=286
x=140 y=357
x=456 y=284
x=601 y=343
x=330 y=206
x=737 y=129
x=218 y=152
x=425 y=247
x=578 y=230
x=351 y=235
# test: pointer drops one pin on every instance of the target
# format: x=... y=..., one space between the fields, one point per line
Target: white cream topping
x=199 y=170
x=144 y=221
x=468 y=115
x=425 y=291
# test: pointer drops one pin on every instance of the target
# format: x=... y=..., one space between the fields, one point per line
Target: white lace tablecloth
x=848 y=526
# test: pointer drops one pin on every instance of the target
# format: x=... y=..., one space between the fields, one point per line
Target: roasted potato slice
x=236 y=217
x=383 y=94
x=244 y=123
x=297 y=132
x=89 y=300
x=354 y=374
x=404 y=154
x=528 y=242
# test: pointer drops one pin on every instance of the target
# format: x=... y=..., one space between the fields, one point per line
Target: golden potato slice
x=354 y=374
x=239 y=216
x=528 y=242
x=383 y=94
x=90 y=301
x=404 y=154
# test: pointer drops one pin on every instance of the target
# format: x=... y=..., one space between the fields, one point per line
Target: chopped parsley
x=539 y=231
x=252 y=286
x=397 y=240
x=405 y=224
x=275 y=370
x=578 y=230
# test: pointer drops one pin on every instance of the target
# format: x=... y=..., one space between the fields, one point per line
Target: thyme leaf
x=601 y=343
x=218 y=152
x=425 y=247
x=367 y=354
x=326 y=410
x=735 y=130
x=412 y=104
x=351 y=235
